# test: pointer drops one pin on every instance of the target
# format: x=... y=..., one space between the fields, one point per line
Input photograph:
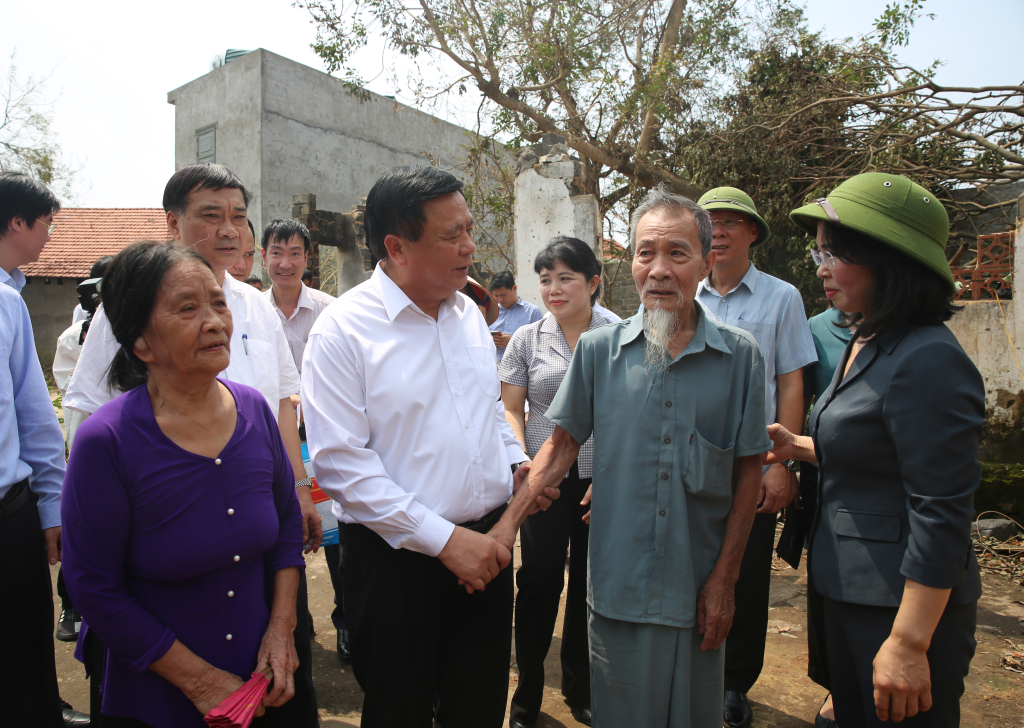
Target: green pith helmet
x=730 y=198
x=892 y=210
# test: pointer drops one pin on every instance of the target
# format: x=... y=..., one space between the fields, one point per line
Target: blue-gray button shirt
x=509 y=320
x=664 y=449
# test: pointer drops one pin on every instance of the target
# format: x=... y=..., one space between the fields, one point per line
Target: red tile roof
x=84 y=234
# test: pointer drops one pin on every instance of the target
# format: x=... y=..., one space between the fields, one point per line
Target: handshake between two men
x=476 y=558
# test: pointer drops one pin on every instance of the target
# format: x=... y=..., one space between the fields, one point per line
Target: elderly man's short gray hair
x=662 y=198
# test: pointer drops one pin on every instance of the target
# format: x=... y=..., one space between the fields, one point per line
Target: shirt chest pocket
x=486 y=367
x=710 y=471
x=263 y=370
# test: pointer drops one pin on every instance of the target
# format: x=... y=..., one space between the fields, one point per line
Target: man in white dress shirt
x=285 y=254
x=206 y=207
x=407 y=434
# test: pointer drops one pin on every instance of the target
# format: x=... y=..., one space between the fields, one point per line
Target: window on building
x=206 y=144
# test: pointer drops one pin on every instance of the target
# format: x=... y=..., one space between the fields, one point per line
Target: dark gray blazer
x=897 y=447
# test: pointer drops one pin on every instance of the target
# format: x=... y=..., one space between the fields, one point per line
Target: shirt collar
x=518 y=302
x=15 y=279
x=835 y=317
x=395 y=301
x=750 y=279
x=549 y=324
x=706 y=333
x=304 y=300
x=233 y=287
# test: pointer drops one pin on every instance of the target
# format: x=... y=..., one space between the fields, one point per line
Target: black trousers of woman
x=817 y=658
x=544 y=538
x=855 y=633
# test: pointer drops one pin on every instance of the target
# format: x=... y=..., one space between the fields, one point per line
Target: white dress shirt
x=296 y=328
x=78 y=314
x=405 y=428
x=260 y=356
x=66 y=356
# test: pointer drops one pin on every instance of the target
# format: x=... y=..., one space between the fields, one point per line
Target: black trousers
x=335 y=555
x=299 y=712
x=856 y=632
x=817 y=654
x=418 y=636
x=744 y=647
x=28 y=669
x=545 y=537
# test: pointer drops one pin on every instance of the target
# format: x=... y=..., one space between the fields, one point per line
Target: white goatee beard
x=659 y=328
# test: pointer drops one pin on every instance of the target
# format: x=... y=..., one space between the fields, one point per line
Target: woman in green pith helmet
x=895 y=437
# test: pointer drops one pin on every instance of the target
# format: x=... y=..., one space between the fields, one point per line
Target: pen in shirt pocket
x=245 y=343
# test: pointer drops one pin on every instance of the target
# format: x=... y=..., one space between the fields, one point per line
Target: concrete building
x=288 y=129
x=82 y=235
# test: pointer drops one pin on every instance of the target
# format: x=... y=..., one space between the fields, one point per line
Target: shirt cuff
x=432 y=535
x=49 y=513
x=515 y=453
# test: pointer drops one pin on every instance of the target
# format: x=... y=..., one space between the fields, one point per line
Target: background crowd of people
x=649 y=458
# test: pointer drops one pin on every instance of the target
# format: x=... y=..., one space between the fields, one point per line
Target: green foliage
x=27 y=141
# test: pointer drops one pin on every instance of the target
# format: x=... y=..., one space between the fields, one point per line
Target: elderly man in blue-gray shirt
x=675 y=402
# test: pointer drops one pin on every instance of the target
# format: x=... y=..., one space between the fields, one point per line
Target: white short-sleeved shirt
x=260 y=356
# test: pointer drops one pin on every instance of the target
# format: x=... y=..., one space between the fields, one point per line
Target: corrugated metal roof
x=84 y=234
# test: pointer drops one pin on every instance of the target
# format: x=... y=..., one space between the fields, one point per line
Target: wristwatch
x=515 y=467
x=304 y=483
x=792 y=465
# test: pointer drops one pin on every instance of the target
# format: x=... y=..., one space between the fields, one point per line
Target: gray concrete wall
x=288 y=129
x=231 y=98
x=319 y=138
x=50 y=306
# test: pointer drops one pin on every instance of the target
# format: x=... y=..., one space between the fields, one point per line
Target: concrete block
x=557 y=170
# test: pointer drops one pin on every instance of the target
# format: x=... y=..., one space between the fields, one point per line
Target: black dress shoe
x=344 y=650
x=67 y=625
x=74 y=718
x=516 y=723
x=737 y=711
x=581 y=715
x=821 y=721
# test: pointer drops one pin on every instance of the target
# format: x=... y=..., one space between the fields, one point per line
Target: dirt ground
x=783 y=698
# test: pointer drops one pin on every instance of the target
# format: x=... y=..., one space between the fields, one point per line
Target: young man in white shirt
x=406 y=433
x=206 y=207
x=285 y=250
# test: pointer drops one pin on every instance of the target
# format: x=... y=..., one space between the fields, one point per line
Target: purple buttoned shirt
x=162 y=544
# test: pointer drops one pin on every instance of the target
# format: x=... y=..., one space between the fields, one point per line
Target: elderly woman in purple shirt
x=182 y=531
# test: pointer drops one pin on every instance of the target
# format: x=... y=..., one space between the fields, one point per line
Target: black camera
x=89 y=297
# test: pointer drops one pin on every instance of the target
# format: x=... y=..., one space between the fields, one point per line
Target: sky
x=110 y=65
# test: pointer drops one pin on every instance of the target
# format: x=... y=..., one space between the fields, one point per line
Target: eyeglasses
x=727 y=224
x=50 y=227
x=820 y=257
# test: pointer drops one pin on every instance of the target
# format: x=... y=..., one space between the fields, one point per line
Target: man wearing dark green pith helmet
x=737 y=293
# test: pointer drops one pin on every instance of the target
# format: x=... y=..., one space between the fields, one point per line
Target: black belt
x=16 y=497
x=485 y=524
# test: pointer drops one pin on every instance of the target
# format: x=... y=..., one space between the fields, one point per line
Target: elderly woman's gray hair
x=662 y=198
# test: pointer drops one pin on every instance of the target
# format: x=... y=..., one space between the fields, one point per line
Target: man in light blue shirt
x=513 y=311
x=738 y=294
x=31 y=471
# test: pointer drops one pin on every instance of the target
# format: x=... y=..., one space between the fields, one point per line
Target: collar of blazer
x=886 y=342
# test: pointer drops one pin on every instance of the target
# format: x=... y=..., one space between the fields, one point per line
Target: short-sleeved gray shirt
x=664 y=450
x=537 y=358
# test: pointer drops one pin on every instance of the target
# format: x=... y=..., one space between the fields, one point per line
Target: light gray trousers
x=653 y=676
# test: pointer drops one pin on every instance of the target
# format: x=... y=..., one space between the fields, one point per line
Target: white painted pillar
x=545 y=208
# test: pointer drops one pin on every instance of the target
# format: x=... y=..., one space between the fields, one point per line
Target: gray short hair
x=662 y=198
